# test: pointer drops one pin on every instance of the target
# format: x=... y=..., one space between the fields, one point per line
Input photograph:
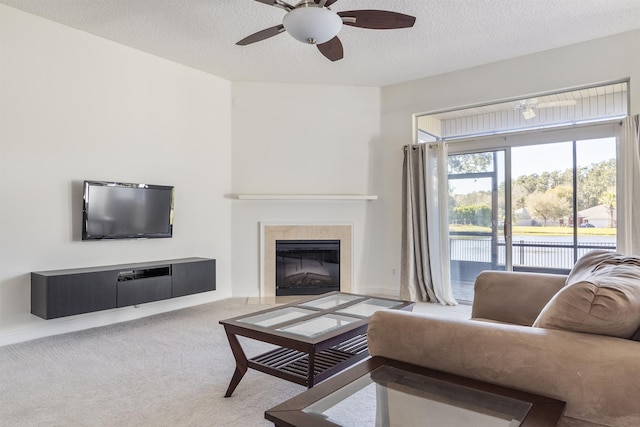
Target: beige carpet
x=170 y=369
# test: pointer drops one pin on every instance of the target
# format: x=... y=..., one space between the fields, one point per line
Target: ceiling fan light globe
x=312 y=25
x=528 y=113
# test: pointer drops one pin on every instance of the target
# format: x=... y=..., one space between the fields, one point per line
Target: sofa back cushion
x=601 y=296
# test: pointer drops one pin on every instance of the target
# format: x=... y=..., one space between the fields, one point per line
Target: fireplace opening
x=307 y=267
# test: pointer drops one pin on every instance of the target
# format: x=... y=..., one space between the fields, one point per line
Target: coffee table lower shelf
x=293 y=365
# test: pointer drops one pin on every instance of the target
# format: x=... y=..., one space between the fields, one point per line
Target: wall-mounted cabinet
x=62 y=293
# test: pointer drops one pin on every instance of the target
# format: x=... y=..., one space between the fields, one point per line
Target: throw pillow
x=583 y=268
x=602 y=296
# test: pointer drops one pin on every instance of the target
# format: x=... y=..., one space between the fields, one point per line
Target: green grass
x=539 y=231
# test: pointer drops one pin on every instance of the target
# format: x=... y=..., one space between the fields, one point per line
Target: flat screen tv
x=115 y=210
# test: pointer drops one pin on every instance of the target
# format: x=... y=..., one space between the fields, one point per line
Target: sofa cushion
x=602 y=296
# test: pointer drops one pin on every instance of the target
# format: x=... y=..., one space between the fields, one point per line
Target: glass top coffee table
x=383 y=392
x=316 y=337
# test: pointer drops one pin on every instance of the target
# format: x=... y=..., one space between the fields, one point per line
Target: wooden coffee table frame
x=300 y=359
x=544 y=411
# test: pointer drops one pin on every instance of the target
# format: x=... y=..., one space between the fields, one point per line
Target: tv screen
x=114 y=210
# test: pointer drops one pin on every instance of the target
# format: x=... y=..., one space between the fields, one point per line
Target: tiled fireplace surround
x=270 y=232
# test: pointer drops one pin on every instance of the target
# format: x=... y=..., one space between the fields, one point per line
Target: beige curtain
x=425 y=241
x=628 y=183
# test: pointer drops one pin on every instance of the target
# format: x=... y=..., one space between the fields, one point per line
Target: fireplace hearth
x=307 y=267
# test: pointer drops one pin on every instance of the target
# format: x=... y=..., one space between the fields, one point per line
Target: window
x=529 y=197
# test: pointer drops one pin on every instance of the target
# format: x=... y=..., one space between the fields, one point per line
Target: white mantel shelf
x=306 y=197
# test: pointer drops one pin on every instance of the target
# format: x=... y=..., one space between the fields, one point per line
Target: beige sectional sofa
x=572 y=338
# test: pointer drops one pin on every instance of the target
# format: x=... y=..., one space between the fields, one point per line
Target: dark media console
x=62 y=293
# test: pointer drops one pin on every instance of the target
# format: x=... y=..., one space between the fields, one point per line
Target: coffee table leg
x=241 y=363
x=312 y=368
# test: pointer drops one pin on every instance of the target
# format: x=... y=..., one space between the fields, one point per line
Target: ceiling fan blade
x=327 y=3
x=261 y=35
x=377 y=19
x=332 y=49
x=277 y=3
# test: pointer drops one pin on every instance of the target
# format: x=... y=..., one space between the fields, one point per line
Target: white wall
x=305 y=139
x=603 y=60
x=75 y=107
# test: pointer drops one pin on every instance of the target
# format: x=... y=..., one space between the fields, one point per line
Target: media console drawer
x=62 y=293
x=139 y=291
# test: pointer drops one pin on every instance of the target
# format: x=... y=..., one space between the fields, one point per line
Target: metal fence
x=552 y=255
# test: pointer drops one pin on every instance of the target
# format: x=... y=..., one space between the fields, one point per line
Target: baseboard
x=377 y=291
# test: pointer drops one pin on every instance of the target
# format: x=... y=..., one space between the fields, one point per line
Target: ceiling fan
x=528 y=105
x=312 y=22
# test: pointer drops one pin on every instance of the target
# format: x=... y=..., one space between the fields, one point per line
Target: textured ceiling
x=448 y=35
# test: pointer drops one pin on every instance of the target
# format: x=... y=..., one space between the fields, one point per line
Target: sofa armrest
x=597 y=376
x=513 y=297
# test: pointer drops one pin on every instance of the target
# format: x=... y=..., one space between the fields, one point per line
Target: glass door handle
x=506 y=229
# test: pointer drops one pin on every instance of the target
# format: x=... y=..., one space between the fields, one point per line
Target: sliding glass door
x=477 y=217
x=529 y=207
x=564 y=197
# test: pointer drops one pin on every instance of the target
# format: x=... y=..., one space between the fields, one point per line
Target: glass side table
x=382 y=392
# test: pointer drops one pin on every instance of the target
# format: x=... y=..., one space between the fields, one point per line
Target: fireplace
x=307 y=267
x=270 y=233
